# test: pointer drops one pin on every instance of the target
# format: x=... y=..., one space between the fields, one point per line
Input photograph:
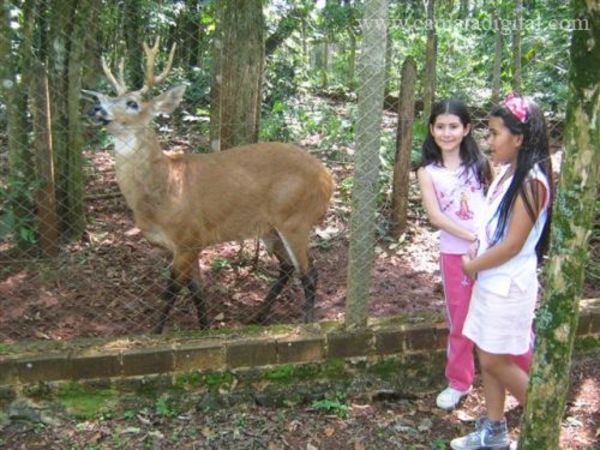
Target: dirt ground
x=374 y=421
x=109 y=283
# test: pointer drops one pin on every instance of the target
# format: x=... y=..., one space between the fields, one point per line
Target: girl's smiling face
x=448 y=132
x=504 y=145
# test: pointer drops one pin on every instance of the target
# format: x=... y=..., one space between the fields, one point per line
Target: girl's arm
x=518 y=230
x=437 y=218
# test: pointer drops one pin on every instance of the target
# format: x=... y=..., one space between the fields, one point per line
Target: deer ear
x=169 y=100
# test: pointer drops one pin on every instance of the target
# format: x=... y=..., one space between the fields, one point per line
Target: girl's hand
x=467 y=266
x=472 y=251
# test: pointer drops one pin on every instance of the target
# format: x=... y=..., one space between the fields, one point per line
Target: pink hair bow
x=517 y=105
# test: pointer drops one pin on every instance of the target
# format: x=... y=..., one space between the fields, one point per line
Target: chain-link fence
x=80 y=209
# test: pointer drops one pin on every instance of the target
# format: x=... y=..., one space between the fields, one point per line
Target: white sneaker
x=449 y=398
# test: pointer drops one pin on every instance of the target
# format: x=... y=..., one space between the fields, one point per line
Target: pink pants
x=460 y=366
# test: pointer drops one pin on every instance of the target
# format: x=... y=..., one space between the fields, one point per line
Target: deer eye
x=132 y=104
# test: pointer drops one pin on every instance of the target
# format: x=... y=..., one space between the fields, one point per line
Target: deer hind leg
x=309 y=285
x=275 y=246
x=184 y=273
x=169 y=295
x=293 y=251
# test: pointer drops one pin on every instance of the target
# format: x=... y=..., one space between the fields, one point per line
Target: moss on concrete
x=84 y=402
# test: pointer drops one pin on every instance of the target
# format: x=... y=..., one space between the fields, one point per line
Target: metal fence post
x=366 y=173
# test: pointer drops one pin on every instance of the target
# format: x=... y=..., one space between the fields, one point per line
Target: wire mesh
x=74 y=262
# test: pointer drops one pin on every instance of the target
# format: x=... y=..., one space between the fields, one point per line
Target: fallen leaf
x=464 y=416
x=207 y=432
x=294 y=425
x=329 y=431
x=358 y=445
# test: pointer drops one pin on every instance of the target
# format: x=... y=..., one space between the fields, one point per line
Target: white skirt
x=499 y=324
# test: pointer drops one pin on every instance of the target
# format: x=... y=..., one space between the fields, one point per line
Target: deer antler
x=151 y=53
x=119 y=84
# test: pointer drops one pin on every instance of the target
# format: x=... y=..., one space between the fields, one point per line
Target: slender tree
x=285 y=27
x=134 y=21
x=464 y=9
x=404 y=138
x=13 y=89
x=430 y=61
x=574 y=208
x=45 y=195
x=497 y=73
x=516 y=46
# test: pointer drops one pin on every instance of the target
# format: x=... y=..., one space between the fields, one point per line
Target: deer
x=186 y=202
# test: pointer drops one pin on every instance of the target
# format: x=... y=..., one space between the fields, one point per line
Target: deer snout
x=99 y=114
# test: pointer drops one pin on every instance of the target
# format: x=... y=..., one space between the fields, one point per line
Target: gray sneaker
x=487 y=435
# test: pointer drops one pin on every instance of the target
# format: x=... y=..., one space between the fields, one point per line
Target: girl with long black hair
x=513 y=236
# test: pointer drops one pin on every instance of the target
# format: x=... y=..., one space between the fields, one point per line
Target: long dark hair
x=470 y=154
x=534 y=150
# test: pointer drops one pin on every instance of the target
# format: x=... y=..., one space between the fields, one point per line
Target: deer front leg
x=309 y=284
x=169 y=295
x=185 y=265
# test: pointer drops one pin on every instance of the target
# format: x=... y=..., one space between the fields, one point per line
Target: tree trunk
x=60 y=30
x=516 y=81
x=404 y=138
x=430 y=61
x=352 y=60
x=286 y=26
x=388 y=63
x=45 y=198
x=74 y=182
x=325 y=63
x=558 y=316
x=463 y=13
x=20 y=167
x=133 y=23
x=366 y=173
x=237 y=80
x=496 y=75
x=188 y=35
x=305 y=53
x=92 y=69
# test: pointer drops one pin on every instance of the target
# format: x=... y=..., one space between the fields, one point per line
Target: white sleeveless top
x=461 y=198
x=521 y=268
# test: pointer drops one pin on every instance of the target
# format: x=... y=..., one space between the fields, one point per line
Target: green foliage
x=336 y=405
x=198 y=83
x=280 y=82
x=219 y=263
x=280 y=373
x=439 y=444
x=273 y=124
x=16 y=212
x=165 y=407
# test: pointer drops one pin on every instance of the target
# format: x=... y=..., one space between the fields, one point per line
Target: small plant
x=164 y=408
x=220 y=263
x=337 y=405
x=439 y=444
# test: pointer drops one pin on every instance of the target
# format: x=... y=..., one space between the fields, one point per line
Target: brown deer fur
x=186 y=202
